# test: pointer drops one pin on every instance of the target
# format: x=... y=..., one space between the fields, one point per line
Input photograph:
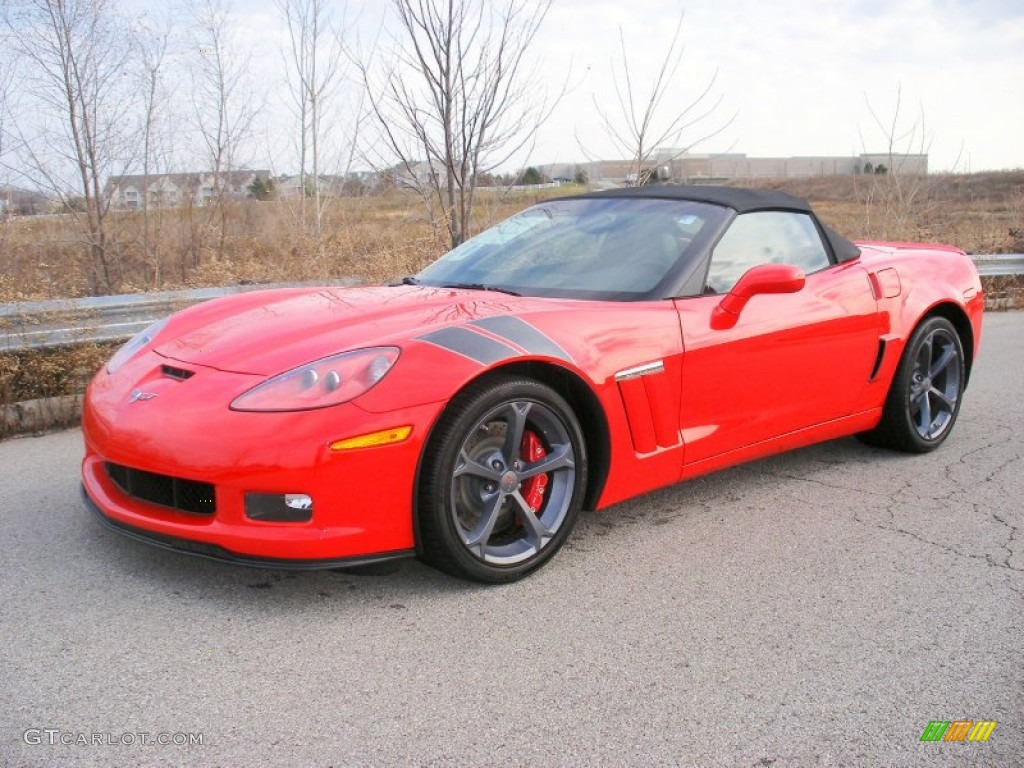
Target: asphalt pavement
x=816 y=608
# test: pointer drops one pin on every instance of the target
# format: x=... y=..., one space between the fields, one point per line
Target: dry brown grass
x=51 y=372
x=380 y=238
x=57 y=377
x=370 y=238
x=981 y=212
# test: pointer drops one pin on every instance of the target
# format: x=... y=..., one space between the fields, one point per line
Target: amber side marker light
x=383 y=437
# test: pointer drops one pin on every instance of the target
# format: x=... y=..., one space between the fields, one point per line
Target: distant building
x=170 y=190
x=15 y=201
x=414 y=175
x=682 y=166
x=331 y=185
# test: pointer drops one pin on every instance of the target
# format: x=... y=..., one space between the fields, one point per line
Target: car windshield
x=592 y=248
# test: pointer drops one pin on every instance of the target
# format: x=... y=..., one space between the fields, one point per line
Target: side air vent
x=882 y=343
x=179 y=374
x=651 y=407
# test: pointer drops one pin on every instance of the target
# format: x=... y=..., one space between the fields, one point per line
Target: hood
x=268 y=332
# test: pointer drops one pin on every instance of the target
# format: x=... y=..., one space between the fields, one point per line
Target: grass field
x=378 y=238
x=372 y=238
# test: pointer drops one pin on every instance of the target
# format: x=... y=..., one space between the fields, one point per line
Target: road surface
x=817 y=608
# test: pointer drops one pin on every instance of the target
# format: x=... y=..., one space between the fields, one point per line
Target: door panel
x=791 y=361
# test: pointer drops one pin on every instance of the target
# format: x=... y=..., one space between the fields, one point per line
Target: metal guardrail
x=62 y=322
x=43 y=324
x=995 y=265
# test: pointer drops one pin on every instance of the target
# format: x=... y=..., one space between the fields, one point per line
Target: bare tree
x=650 y=123
x=222 y=101
x=457 y=99
x=5 y=191
x=153 y=40
x=313 y=57
x=297 y=65
x=74 y=53
x=896 y=193
x=6 y=74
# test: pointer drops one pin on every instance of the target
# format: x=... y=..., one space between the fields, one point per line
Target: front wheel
x=502 y=480
x=924 y=398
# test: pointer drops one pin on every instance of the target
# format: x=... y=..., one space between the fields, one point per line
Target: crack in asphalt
x=833 y=486
x=1011 y=539
x=894 y=500
x=987 y=558
x=906 y=493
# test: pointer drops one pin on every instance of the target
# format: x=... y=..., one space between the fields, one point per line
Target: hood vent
x=180 y=374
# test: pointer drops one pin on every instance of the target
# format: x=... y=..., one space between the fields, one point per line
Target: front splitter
x=215 y=552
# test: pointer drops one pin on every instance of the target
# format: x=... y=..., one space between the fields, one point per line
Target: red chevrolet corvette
x=584 y=351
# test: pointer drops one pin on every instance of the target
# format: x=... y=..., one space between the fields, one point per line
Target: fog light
x=279 y=507
x=298 y=501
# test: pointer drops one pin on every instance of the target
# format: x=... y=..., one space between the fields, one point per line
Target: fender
x=952 y=287
x=635 y=373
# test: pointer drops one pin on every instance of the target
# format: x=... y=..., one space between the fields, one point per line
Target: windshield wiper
x=481 y=287
x=404 y=281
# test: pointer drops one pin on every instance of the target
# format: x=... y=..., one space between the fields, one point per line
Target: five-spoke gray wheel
x=502 y=480
x=924 y=398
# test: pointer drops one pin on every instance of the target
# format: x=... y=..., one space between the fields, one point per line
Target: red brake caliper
x=531 y=450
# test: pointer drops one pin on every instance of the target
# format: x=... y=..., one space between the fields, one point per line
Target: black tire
x=924 y=398
x=474 y=520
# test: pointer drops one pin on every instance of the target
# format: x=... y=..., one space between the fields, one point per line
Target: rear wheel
x=924 y=398
x=502 y=481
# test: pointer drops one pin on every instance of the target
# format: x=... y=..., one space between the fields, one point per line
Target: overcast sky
x=798 y=76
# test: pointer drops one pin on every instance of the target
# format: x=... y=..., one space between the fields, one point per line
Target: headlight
x=322 y=383
x=134 y=345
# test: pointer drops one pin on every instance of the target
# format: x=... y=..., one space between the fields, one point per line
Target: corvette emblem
x=138 y=394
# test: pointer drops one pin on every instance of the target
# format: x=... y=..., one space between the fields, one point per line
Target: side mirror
x=765 y=278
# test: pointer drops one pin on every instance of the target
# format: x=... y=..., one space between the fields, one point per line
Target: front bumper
x=362 y=499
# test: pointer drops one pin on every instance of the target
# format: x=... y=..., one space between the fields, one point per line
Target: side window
x=765 y=237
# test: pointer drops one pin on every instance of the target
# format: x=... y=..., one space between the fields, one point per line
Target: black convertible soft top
x=740 y=199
